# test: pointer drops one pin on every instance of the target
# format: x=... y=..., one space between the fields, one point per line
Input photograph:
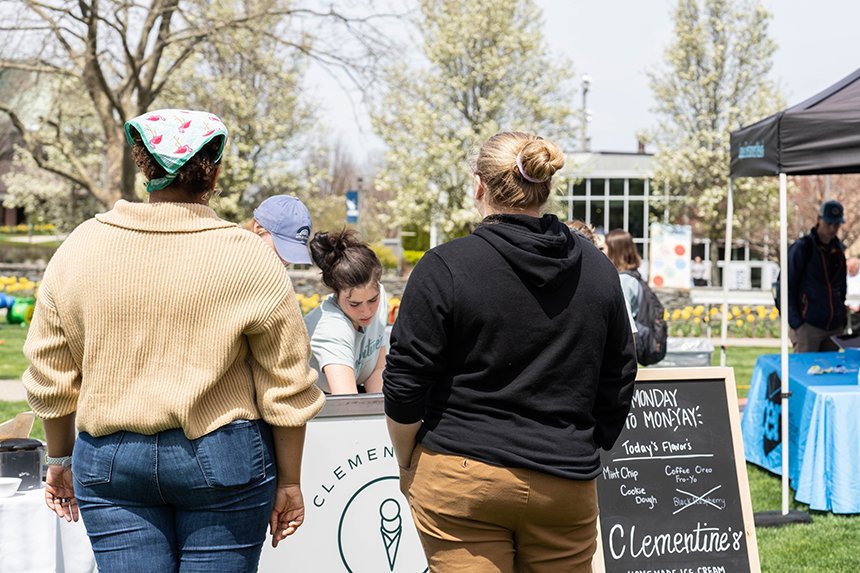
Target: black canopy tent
x=818 y=136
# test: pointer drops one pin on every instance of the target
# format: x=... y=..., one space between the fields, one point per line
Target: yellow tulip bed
x=20 y=287
x=744 y=321
x=694 y=321
x=46 y=229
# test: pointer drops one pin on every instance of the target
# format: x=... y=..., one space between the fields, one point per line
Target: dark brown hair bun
x=345 y=260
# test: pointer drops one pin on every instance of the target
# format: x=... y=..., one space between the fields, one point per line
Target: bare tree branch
x=126 y=53
x=150 y=65
x=56 y=29
x=38 y=67
x=35 y=150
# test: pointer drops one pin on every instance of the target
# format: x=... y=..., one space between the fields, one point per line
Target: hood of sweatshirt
x=542 y=251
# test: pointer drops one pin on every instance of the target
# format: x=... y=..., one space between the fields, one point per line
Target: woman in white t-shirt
x=347 y=331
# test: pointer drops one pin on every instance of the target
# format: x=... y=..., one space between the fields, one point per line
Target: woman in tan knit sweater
x=146 y=320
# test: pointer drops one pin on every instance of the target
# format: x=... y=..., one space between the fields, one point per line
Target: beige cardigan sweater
x=148 y=318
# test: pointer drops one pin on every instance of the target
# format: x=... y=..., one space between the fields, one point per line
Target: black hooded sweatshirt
x=513 y=345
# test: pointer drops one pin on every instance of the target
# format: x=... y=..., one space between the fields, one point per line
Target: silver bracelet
x=65 y=461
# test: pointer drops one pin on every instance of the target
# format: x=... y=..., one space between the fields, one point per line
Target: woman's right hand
x=60 y=492
x=288 y=513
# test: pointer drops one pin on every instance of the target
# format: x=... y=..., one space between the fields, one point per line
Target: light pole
x=585 y=114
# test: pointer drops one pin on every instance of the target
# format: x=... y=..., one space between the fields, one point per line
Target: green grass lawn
x=17 y=251
x=828 y=545
x=742 y=359
x=9 y=410
x=12 y=361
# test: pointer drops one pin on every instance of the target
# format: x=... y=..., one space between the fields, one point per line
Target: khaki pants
x=808 y=338
x=473 y=517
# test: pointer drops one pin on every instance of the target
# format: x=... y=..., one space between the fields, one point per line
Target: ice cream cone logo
x=375 y=532
x=390 y=527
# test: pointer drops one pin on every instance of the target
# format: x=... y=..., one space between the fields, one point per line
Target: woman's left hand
x=60 y=492
x=288 y=512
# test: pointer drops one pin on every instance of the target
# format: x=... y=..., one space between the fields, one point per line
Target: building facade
x=610 y=190
x=615 y=190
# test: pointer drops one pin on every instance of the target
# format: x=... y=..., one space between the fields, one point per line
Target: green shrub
x=17 y=253
x=415 y=238
x=412 y=257
x=386 y=256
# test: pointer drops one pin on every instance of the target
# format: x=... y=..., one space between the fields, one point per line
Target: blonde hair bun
x=540 y=159
x=517 y=168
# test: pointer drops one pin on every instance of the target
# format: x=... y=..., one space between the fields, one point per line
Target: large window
x=616 y=215
x=636 y=218
x=615 y=203
x=597 y=217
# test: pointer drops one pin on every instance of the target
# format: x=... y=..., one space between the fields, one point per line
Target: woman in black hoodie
x=511 y=363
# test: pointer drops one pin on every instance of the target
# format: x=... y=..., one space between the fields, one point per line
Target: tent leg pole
x=727 y=257
x=783 y=319
x=785 y=517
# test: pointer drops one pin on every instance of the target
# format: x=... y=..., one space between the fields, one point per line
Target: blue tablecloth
x=823 y=428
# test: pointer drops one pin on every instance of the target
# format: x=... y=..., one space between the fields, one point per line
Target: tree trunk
x=716 y=275
x=129 y=171
x=120 y=169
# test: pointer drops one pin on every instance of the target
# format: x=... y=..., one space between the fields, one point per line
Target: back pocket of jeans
x=92 y=458
x=232 y=456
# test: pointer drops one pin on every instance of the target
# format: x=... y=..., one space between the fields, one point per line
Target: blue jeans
x=166 y=503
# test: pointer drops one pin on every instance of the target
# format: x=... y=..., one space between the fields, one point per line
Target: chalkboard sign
x=673 y=492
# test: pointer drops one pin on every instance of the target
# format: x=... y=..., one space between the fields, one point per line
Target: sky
x=616 y=42
x=814 y=42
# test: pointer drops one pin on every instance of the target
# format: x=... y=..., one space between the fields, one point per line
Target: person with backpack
x=816 y=283
x=651 y=333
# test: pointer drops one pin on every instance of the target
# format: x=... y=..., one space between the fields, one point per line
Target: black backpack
x=652 y=333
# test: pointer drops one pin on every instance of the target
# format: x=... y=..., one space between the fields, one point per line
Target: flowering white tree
x=716 y=79
x=485 y=68
x=268 y=130
x=118 y=58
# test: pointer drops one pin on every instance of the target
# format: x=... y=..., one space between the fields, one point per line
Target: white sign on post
x=670 y=256
x=356 y=519
x=739 y=276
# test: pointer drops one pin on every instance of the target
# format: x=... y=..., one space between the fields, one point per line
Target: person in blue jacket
x=816 y=283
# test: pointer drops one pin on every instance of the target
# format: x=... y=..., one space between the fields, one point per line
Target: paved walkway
x=35 y=238
x=12 y=391
x=746 y=342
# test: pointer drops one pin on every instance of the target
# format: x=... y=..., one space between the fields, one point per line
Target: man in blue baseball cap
x=816 y=287
x=285 y=224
